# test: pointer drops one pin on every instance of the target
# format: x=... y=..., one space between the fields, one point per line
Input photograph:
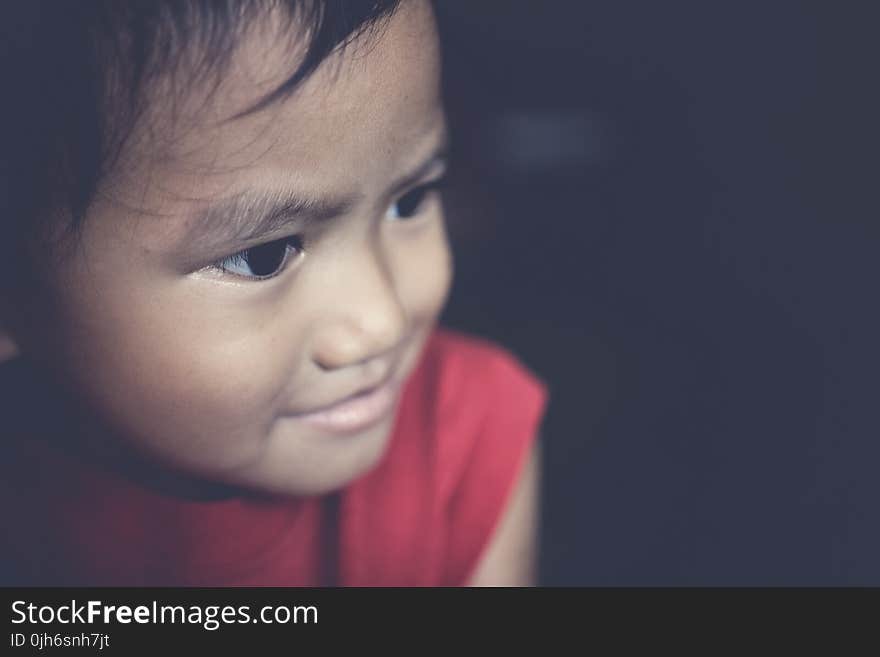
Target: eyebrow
x=253 y=213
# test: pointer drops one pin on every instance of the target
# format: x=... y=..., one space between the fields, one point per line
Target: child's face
x=211 y=370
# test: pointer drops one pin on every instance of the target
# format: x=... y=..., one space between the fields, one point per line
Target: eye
x=263 y=261
x=410 y=204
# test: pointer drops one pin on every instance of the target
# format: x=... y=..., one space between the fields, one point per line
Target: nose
x=366 y=318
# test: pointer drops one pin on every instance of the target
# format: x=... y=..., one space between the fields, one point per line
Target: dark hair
x=74 y=74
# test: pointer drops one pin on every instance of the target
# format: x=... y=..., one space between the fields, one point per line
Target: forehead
x=362 y=113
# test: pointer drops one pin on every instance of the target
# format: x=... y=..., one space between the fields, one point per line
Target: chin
x=318 y=469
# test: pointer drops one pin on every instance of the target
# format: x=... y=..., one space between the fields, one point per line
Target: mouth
x=355 y=413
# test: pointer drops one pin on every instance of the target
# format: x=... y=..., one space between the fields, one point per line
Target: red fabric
x=422 y=517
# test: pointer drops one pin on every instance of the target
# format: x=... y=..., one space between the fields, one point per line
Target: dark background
x=669 y=211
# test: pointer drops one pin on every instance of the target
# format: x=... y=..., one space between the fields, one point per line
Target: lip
x=356 y=412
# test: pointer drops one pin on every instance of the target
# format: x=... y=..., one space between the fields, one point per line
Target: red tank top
x=422 y=516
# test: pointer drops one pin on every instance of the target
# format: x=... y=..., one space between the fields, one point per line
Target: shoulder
x=487 y=403
x=464 y=432
x=489 y=410
x=468 y=375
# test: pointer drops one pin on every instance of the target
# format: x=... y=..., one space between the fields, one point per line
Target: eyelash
x=290 y=245
x=413 y=201
x=417 y=195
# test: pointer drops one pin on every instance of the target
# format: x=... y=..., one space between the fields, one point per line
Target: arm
x=510 y=558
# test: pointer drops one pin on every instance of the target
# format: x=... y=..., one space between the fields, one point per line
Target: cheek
x=423 y=272
x=181 y=377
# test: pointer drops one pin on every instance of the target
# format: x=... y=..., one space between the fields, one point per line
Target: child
x=225 y=264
